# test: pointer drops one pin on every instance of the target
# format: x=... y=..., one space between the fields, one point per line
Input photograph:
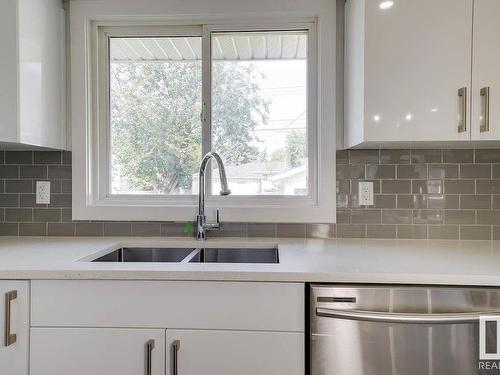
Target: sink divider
x=191 y=255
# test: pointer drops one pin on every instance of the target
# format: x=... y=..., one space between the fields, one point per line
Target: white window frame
x=96 y=204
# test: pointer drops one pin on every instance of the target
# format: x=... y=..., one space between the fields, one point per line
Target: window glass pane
x=155 y=107
x=259 y=111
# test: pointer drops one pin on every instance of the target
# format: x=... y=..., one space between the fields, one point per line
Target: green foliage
x=237 y=109
x=156 y=128
x=296 y=148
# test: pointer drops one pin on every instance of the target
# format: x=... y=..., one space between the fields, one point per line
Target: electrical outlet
x=366 y=193
x=43 y=192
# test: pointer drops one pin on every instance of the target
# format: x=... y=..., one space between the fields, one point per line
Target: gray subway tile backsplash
x=381 y=231
x=396 y=186
x=444 y=232
x=458 y=156
x=117 y=229
x=426 y=156
x=394 y=156
x=432 y=193
x=33 y=171
x=319 y=230
x=417 y=171
x=475 y=171
x=488 y=186
x=89 y=229
x=9 y=229
x=443 y=171
x=459 y=186
x=261 y=230
x=146 y=229
x=9 y=171
x=61 y=229
x=47 y=157
x=460 y=217
x=18 y=157
x=32 y=229
x=487 y=155
x=412 y=232
x=291 y=230
x=475 y=232
x=380 y=171
x=18 y=214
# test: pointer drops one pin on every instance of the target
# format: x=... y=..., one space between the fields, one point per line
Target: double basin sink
x=192 y=255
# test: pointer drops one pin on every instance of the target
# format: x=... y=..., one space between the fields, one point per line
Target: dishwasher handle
x=404 y=318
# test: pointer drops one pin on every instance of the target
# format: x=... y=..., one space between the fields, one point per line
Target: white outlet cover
x=43 y=192
x=365 y=193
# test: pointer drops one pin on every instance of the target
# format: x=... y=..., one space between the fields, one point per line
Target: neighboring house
x=261 y=178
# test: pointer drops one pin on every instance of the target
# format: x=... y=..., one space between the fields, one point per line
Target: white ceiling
x=226 y=46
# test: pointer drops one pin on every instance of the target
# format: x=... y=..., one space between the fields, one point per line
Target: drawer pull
x=150 y=345
x=10 y=338
x=462 y=115
x=175 y=360
x=485 y=110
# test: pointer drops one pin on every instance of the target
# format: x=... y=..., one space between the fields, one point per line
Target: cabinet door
x=417 y=57
x=195 y=352
x=14 y=352
x=97 y=351
x=486 y=71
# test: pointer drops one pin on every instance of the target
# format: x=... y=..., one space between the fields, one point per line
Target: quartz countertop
x=301 y=260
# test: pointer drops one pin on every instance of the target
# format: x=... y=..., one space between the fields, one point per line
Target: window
x=163 y=96
x=259 y=110
x=155 y=104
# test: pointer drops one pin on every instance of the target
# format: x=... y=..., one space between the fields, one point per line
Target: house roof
x=244 y=46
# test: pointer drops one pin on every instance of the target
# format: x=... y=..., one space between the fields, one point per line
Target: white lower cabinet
x=14 y=322
x=97 y=351
x=207 y=352
x=198 y=328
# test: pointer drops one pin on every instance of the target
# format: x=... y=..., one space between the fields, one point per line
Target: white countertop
x=311 y=260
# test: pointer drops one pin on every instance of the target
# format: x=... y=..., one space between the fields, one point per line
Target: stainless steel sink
x=191 y=255
x=236 y=255
x=146 y=254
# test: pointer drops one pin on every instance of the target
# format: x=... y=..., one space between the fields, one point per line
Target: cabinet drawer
x=96 y=351
x=234 y=352
x=172 y=304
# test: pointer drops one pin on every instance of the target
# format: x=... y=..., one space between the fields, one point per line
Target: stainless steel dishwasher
x=399 y=330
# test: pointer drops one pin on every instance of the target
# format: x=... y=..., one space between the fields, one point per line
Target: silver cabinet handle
x=462 y=116
x=150 y=345
x=10 y=338
x=485 y=109
x=175 y=361
x=386 y=317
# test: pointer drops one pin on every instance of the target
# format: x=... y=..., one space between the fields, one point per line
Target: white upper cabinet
x=485 y=123
x=32 y=74
x=407 y=71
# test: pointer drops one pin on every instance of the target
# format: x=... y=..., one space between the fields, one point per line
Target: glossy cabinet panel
x=32 y=74
x=410 y=61
x=179 y=304
x=14 y=348
x=81 y=351
x=194 y=352
x=41 y=73
x=485 y=123
x=8 y=71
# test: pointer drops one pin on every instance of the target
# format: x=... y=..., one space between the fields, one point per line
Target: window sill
x=229 y=213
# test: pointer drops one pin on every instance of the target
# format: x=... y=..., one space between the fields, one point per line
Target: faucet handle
x=215 y=225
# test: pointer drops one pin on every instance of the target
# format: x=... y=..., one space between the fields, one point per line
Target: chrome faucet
x=201 y=220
